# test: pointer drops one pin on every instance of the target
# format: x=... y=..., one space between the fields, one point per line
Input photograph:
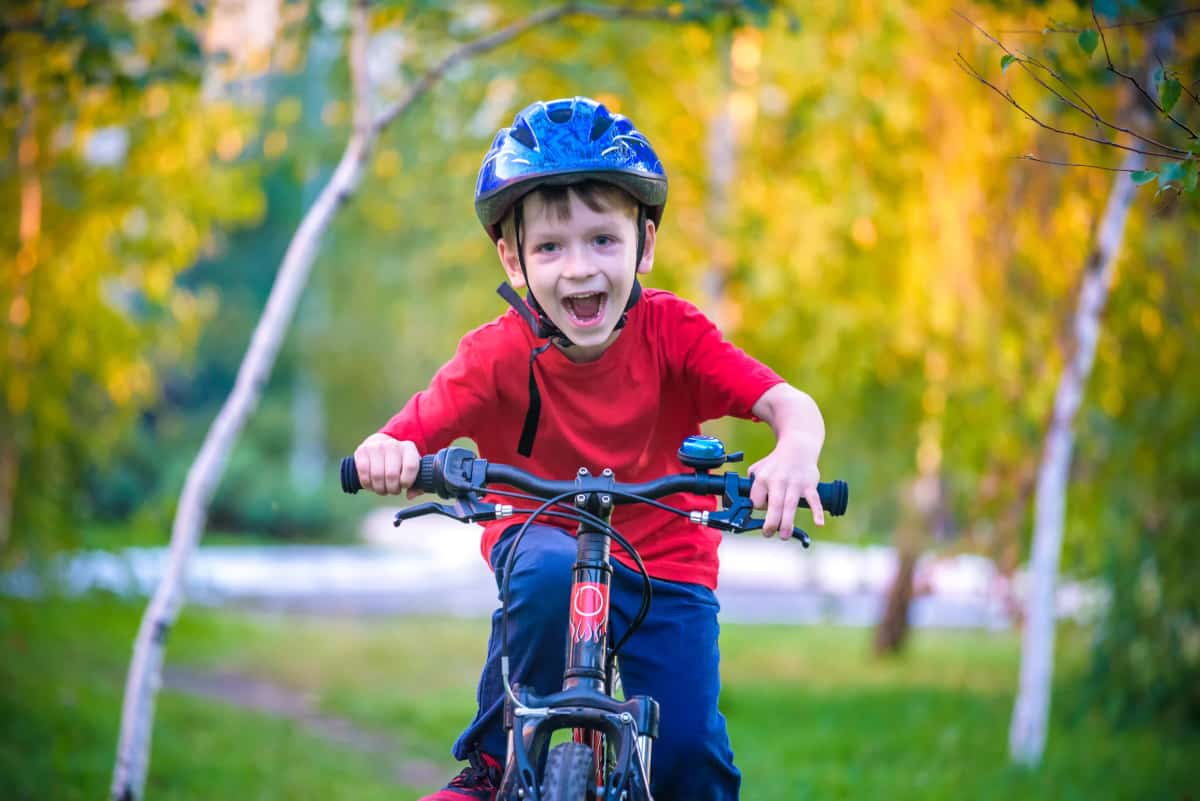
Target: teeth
x=572 y=303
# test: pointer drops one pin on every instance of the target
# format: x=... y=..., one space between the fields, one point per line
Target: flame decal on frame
x=589 y=611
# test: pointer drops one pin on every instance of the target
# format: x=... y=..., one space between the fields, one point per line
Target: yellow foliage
x=229 y=144
x=387 y=163
x=18 y=311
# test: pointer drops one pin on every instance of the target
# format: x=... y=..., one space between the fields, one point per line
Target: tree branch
x=481 y=45
x=1031 y=157
x=1133 y=80
x=1152 y=20
x=611 y=12
x=1130 y=24
x=515 y=29
x=1091 y=111
x=1183 y=86
x=1088 y=112
x=967 y=68
x=1190 y=93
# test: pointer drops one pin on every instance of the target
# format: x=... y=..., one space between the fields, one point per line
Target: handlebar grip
x=835 y=495
x=424 y=480
x=350 y=482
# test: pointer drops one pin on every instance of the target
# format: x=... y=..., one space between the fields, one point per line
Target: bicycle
x=609 y=756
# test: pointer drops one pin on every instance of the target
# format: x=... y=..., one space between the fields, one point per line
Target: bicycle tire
x=570 y=774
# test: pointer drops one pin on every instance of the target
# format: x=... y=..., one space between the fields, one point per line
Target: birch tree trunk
x=145 y=669
x=1031 y=710
x=722 y=166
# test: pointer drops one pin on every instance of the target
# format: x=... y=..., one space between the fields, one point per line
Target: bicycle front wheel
x=570 y=774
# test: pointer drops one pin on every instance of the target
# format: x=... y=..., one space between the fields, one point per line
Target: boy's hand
x=786 y=475
x=387 y=466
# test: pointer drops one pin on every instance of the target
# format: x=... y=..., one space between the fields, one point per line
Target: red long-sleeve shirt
x=668 y=371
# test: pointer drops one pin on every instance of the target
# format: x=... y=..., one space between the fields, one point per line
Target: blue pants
x=673 y=658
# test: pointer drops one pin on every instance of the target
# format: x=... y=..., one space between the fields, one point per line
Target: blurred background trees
x=845 y=199
x=118 y=175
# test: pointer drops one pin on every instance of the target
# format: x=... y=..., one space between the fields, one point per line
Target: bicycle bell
x=704 y=452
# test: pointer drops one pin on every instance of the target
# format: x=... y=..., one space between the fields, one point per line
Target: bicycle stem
x=587 y=634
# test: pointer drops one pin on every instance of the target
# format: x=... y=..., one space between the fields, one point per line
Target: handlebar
x=457 y=473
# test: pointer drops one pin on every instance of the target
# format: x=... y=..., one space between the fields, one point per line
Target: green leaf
x=1191 y=175
x=1006 y=60
x=1143 y=176
x=1168 y=93
x=1173 y=173
x=1088 y=39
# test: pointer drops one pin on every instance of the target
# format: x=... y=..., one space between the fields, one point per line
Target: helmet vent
x=522 y=134
x=565 y=141
x=600 y=123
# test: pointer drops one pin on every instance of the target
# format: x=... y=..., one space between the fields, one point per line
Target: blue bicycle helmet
x=563 y=142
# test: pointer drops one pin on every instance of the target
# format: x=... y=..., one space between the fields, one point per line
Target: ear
x=512 y=267
x=647 y=261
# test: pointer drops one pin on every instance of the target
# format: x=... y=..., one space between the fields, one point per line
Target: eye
x=604 y=240
x=545 y=247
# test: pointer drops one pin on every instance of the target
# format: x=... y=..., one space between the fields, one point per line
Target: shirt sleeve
x=721 y=378
x=451 y=407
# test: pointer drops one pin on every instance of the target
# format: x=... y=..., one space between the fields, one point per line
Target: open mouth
x=586 y=310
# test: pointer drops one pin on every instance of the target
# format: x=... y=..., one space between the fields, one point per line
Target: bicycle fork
x=626 y=729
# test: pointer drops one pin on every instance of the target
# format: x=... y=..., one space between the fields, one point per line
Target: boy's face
x=581 y=268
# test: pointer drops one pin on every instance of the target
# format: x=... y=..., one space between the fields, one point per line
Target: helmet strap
x=544 y=328
x=641 y=246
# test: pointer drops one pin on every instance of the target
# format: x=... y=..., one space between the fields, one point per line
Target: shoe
x=479 y=781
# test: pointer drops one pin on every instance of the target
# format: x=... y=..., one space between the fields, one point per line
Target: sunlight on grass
x=812 y=713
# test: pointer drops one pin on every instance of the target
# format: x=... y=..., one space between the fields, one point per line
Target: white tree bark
x=1031 y=710
x=145 y=669
x=722 y=167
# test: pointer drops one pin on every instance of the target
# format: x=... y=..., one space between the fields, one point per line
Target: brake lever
x=737 y=516
x=755 y=524
x=465 y=510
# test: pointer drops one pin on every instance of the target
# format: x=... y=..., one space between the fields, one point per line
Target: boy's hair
x=597 y=195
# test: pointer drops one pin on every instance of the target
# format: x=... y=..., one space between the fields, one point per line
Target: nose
x=577 y=264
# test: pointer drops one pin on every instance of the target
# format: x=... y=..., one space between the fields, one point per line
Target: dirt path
x=258 y=695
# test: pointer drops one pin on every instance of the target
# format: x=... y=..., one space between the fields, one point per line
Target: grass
x=811 y=713
x=61 y=682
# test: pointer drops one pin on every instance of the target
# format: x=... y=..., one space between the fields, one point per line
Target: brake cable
x=510 y=560
x=578 y=515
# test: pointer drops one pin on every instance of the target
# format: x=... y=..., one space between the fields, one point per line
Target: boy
x=593 y=371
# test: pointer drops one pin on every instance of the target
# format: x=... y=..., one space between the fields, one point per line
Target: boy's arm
x=789 y=472
x=450 y=407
